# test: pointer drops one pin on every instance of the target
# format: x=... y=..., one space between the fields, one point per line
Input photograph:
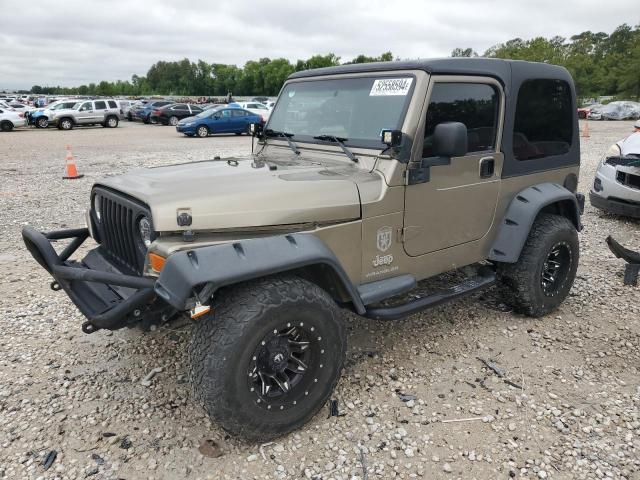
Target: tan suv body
x=366 y=180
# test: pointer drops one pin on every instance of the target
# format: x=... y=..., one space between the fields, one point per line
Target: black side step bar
x=470 y=285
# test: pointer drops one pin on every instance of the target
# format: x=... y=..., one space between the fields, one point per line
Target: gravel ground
x=571 y=411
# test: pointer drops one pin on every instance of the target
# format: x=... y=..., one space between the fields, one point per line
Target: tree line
x=184 y=77
x=600 y=63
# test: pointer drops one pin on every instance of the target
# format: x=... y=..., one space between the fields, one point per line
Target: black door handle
x=487 y=167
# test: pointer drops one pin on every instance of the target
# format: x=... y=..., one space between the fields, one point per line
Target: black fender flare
x=205 y=269
x=522 y=212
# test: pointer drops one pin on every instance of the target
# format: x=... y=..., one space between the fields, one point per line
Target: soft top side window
x=543 y=123
x=477 y=105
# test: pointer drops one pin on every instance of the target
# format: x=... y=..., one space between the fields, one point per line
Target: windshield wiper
x=287 y=136
x=339 y=141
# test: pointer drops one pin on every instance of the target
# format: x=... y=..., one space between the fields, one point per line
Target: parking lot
x=570 y=407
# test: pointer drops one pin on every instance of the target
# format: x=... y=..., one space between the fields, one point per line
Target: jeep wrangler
x=365 y=180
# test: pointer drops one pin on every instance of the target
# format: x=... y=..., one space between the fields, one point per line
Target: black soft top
x=503 y=70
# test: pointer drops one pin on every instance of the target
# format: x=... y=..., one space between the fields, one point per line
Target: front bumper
x=610 y=194
x=185 y=128
x=108 y=298
x=615 y=205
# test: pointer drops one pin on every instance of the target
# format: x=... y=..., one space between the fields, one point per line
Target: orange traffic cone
x=72 y=171
x=585 y=130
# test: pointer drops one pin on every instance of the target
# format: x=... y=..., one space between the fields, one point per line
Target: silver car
x=89 y=112
x=616 y=188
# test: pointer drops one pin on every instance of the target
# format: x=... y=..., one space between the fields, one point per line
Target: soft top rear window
x=543 y=124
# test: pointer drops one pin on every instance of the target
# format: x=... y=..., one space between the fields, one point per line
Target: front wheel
x=543 y=275
x=268 y=356
x=42 y=122
x=202 y=131
x=65 y=124
x=173 y=121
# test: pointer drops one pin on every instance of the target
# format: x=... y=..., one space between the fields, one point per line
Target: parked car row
x=190 y=119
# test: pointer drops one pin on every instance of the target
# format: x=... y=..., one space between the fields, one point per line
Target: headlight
x=144 y=227
x=614 y=151
x=96 y=206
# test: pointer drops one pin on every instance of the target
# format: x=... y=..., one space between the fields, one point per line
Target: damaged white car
x=616 y=188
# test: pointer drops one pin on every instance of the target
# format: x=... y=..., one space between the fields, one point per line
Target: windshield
x=357 y=109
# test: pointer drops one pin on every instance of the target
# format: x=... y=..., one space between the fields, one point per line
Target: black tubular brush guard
x=94 y=291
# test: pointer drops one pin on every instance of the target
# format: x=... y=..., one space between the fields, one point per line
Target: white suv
x=616 y=188
x=257 y=108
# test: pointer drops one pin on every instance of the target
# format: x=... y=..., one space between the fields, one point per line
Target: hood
x=238 y=193
x=187 y=119
x=630 y=145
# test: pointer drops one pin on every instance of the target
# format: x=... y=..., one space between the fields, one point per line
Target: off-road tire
x=65 y=124
x=202 y=131
x=6 y=126
x=226 y=343
x=522 y=281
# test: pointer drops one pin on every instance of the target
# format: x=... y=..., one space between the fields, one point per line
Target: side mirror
x=392 y=138
x=256 y=129
x=450 y=139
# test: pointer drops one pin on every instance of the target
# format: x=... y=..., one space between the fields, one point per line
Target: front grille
x=118 y=229
x=628 y=179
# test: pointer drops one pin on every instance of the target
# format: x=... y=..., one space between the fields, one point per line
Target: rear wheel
x=543 y=275
x=6 y=126
x=268 y=356
x=202 y=131
x=112 y=122
x=173 y=121
x=42 y=122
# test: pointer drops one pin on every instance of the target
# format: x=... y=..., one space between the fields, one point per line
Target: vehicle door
x=99 y=111
x=455 y=201
x=239 y=120
x=223 y=119
x=180 y=110
x=85 y=113
x=114 y=108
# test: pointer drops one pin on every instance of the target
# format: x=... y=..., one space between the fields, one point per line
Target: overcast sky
x=72 y=42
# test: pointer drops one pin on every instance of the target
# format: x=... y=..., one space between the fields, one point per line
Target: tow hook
x=88 y=327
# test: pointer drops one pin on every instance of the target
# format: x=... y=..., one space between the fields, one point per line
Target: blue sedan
x=218 y=120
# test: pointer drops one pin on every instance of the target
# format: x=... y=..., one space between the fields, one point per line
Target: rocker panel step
x=469 y=285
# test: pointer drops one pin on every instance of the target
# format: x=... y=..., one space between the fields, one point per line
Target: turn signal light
x=156 y=262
